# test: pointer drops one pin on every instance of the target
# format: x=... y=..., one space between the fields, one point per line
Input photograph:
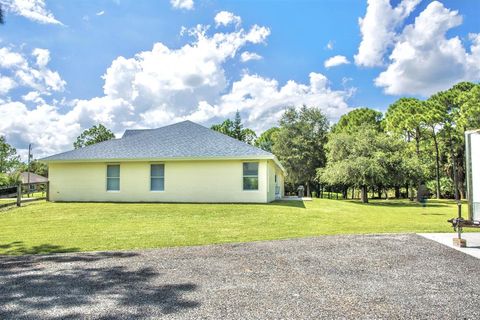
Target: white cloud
x=247 y=56
x=224 y=18
x=335 y=61
x=378 y=29
x=182 y=4
x=34 y=75
x=176 y=80
x=262 y=101
x=34 y=10
x=161 y=86
x=33 y=96
x=6 y=84
x=100 y=13
x=329 y=45
x=424 y=60
x=9 y=59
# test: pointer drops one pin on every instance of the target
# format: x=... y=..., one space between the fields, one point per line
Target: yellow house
x=183 y=162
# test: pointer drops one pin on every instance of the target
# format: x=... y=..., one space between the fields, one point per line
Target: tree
x=435 y=117
x=366 y=158
x=299 y=143
x=93 y=135
x=226 y=127
x=458 y=105
x=249 y=136
x=236 y=130
x=238 y=127
x=2 y=20
x=357 y=118
x=469 y=113
x=266 y=139
x=405 y=117
x=9 y=159
x=36 y=166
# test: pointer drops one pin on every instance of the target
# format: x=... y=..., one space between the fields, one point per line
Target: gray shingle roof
x=181 y=140
x=132 y=132
x=34 y=178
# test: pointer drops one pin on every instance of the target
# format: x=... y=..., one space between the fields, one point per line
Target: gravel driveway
x=384 y=276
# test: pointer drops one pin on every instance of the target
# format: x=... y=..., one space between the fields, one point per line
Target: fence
x=38 y=190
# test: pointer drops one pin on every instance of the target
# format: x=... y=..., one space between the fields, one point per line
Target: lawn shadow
x=398 y=203
x=32 y=285
x=18 y=248
x=288 y=203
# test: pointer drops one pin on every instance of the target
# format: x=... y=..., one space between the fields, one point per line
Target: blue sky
x=405 y=48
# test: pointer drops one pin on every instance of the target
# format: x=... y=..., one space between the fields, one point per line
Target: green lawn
x=60 y=227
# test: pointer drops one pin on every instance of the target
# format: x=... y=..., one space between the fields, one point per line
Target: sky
x=68 y=65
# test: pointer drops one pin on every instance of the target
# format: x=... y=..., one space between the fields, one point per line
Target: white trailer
x=472 y=159
x=472 y=156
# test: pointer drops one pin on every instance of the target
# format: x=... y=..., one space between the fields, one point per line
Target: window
x=113 y=177
x=250 y=176
x=157 y=177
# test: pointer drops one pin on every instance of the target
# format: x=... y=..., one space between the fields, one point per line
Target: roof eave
x=246 y=157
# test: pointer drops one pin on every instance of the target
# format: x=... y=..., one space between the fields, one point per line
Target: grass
x=46 y=227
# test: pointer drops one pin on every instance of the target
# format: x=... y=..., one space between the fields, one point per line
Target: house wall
x=272 y=170
x=185 y=181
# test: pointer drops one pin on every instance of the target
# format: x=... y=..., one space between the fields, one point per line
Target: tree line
x=414 y=143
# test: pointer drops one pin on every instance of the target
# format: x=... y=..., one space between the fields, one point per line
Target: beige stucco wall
x=185 y=181
x=272 y=170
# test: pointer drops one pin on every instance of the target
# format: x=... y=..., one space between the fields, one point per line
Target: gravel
x=353 y=276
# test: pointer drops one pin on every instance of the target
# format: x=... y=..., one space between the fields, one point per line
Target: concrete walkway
x=295 y=198
x=473 y=241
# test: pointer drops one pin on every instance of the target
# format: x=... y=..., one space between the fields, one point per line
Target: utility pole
x=28 y=173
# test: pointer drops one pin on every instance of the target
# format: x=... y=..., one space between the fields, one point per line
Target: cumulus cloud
x=35 y=75
x=162 y=86
x=262 y=100
x=247 y=56
x=424 y=60
x=182 y=4
x=100 y=13
x=6 y=84
x=335 y=61
x=34 y=10
x=378 y=29
x=224 y=18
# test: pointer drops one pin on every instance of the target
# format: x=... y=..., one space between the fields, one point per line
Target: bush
x=9 y=179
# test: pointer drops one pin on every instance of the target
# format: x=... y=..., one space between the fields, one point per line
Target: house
x=182 y=162
x=34 y=180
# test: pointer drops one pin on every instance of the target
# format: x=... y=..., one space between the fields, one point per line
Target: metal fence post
x=48 y=190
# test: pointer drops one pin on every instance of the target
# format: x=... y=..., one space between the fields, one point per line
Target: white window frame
x=157 y=177
x=251 y=176
x=107 y=177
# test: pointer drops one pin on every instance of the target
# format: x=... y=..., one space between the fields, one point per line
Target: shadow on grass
x=398 y=203
x=115 y=284
x=288 y=203
x=18 y=248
